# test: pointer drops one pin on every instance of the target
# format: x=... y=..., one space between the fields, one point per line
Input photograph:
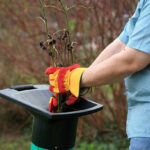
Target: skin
x=116 y=62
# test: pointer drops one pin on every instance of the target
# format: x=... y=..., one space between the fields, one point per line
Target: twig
x=68 y=27
x=44 y=17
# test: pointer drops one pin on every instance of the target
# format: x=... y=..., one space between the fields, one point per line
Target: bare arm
x=115 y=47
x=115 y=68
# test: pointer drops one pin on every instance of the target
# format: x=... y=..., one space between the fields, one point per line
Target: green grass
x=23 y=143
x=96 y=146
x=103 y=146
x=15 y=143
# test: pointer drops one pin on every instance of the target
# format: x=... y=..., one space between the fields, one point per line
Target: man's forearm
x=111 y=70
x=115 y=47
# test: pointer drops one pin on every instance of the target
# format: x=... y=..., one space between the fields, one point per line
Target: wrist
x=83 y=83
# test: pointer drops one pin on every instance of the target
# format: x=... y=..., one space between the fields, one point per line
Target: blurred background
x=22 y=61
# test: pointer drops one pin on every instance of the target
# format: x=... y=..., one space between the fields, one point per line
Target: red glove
x=64 y=79
x=53 y=103
x=71 y=99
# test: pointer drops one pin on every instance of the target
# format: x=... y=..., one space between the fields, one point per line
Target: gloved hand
x=64 y=79
x=53 y=103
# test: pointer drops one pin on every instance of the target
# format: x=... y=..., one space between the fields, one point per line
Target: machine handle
x=23 y=87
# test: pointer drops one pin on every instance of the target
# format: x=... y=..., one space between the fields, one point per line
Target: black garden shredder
x=51 y=131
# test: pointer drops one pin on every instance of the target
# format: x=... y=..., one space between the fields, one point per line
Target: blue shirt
x=136 y=34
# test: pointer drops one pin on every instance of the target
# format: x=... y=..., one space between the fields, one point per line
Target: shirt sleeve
x=124 y=36
x=140 y=37
x=129 y=27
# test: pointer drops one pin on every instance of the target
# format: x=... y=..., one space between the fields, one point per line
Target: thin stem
x=52 y=57
x=66 y=18
x=58 y=98
x=68 y=26
x=63 y=104
x=59 y=102
x=44 y=17
x=72 y=58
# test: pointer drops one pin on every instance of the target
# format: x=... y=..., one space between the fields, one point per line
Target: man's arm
x=116 y=68
x=113 y=48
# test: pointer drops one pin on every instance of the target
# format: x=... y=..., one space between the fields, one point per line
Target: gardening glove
x=65 y=79
x=71 y=98
x=53 y=103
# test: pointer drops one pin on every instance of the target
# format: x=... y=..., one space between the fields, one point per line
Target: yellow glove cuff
x=75 y=81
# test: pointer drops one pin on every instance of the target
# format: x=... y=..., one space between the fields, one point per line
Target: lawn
x=8 y=142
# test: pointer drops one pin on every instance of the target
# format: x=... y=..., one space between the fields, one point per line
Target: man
x=126 y=57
